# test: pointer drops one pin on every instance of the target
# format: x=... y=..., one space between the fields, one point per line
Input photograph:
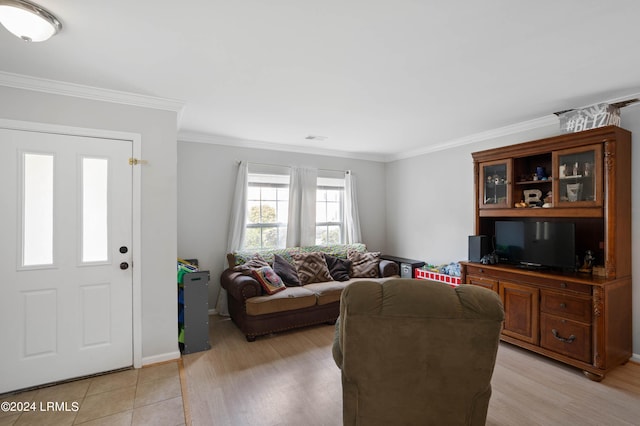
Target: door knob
x=124 y=265
x=124 y=249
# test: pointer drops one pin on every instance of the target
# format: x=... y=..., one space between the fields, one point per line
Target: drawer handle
x=562 y=305
x=562 y=339
x=563 y=285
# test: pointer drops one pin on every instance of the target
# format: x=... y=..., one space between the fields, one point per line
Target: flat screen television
x=536 y=244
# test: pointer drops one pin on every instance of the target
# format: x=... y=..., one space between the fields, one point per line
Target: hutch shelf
x=584 y=178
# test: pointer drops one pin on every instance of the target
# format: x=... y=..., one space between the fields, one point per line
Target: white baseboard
x=635 y=358
x=155 y=359
x=213 y=311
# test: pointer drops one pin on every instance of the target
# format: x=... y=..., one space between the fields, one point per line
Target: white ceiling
x=375 y=77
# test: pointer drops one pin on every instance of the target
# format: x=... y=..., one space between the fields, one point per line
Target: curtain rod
x=280 y=165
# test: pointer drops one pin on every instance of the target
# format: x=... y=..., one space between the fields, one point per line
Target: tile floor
x=148 y=396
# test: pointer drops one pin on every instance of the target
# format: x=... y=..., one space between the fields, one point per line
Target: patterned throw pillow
x=254 y=263
x=269 y=280
x=286 y=271
x=364 y=265
x=338 y=268
x=311 y=268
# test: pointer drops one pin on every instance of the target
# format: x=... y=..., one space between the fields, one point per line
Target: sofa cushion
x=364 y=265
x=327 y=292
x=286 y=271
x=311 y=268
x=268 y=279
x=287 y=300
x=338 y=268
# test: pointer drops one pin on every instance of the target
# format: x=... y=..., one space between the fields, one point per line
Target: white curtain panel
x=352 y=219
x=301 y=227
x=237 y=224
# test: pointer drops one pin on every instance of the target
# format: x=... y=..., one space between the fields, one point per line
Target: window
x=330 y=211
x=95 y=222
x=267 y=211
x=37 y=209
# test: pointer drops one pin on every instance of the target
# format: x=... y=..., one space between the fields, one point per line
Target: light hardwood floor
x=291 y=379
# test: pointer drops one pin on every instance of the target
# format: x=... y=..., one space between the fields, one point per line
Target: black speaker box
x=478 y=247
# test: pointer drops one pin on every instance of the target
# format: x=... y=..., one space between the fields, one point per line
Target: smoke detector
x=316 y=138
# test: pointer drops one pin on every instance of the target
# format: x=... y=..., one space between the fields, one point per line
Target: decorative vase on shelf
x=574 y=191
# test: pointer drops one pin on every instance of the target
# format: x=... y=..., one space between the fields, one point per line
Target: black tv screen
x=536 y=243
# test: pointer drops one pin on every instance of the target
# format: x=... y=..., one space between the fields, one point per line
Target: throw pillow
x=254 y=263
x=338 y=268
x=286 y=271
x=311 y=268
x=364 y=265
x=269 y=280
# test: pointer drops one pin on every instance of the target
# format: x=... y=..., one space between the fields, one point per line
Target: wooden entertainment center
x=580 y=318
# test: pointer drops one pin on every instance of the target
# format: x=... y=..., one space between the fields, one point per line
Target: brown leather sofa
x=257 y=313
x=416 y=352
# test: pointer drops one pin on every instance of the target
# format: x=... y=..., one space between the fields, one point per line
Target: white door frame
x=136 y=140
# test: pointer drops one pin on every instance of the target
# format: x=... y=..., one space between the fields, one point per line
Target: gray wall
x=206 y=179
x=435 y=225
x=158 y=211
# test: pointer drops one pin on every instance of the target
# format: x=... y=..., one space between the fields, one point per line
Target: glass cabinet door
x=579 y=172
x=495 y=184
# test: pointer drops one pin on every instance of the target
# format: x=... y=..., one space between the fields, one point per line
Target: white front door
x=65 y=257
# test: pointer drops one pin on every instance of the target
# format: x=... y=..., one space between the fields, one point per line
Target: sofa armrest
x=388 y=268
x=240 y=286
x=336 y=349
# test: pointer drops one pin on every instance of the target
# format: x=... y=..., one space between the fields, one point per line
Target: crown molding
x=524 y=126
x=19 y=81
x=186 y=136
x=537 y=123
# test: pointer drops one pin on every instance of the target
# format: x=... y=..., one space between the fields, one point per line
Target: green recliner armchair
x=416 y=352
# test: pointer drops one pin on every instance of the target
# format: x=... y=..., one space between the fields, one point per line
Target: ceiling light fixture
x=28 y=21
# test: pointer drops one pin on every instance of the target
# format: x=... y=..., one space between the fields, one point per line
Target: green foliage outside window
x=263 y=230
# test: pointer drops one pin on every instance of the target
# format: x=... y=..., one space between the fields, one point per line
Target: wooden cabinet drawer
x=566 y=337
x=485 y=282
x=475 y=270
x=573 y=307
x=566 y=285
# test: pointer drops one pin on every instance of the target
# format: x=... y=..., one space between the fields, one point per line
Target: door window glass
x=95 y=243
x=37 y=209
